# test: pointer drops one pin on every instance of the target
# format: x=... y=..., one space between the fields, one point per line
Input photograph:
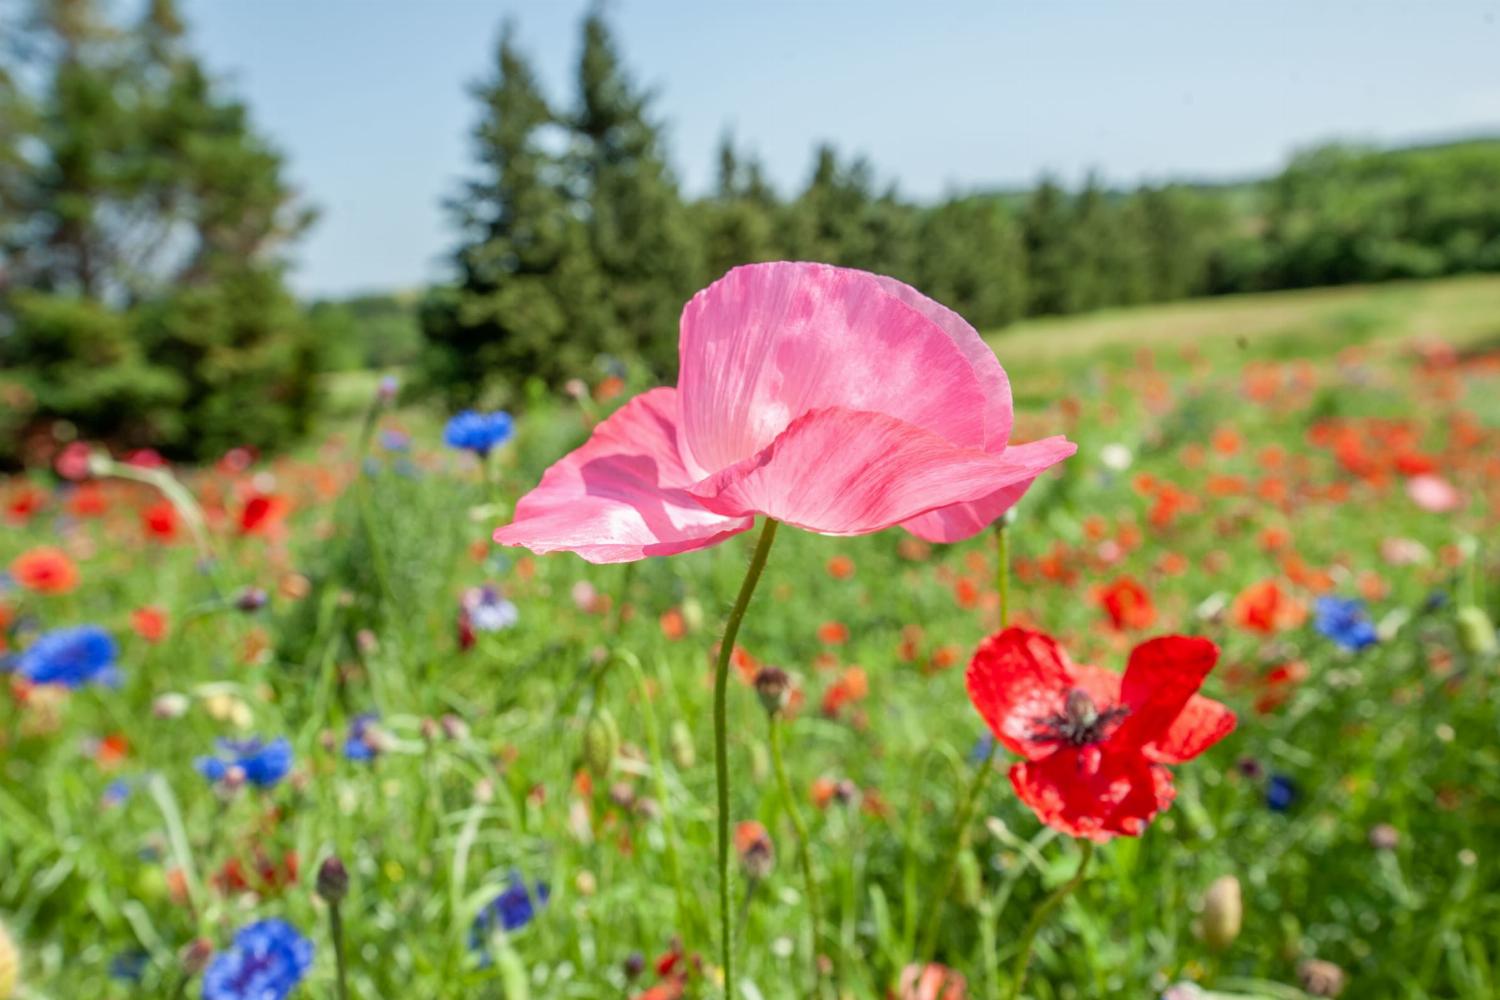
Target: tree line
x=144 y=224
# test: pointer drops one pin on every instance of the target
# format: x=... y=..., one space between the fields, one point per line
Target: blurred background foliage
x=144 y=227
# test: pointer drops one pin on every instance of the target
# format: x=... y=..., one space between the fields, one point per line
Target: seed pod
x=10 y=965
x=1320 y=978
x=680 y=741
x=333 y=881
x=774 y=687
x=1223 y=913
x=1476 y=633
x=601 y=741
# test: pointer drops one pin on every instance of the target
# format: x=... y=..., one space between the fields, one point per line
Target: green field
x=1222 y=443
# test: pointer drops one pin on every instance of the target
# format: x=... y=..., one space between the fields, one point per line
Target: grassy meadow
x=1239 y=458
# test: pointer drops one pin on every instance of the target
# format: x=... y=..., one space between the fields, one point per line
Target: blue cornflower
x=487 y=611
x=266 y=962
x=71 y=657
x=1281 y=792
x=394 y=440
x=980 y=752
x=1345 y=622
x=262 y=764
x=362 y=743
x=513 y=909
x=478 y=432
x=115 y=793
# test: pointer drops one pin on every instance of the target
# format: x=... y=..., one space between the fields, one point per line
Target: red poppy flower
x=1127 y=603
x=262 y=514
x=160 y=521
x=46 y=570
x=1265 y=608
x=150 y=623
x=1094 y=742
x=23 y=503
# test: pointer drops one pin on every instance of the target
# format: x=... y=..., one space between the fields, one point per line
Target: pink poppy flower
x=1434 y=494
x=833 y=400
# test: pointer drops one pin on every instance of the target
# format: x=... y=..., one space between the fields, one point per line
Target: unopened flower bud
x=170 y=706
x=601 y=742
x=774 y=686
x=635 y=964
x=251 y=599
x=680 y=741
x=333 y=880
x=387 y=390
x=1476 y=633
x=454 y=728
x=1384 y=837
x=196 y=955
x=10 y=965
x=1320 y=978
x=753 y=844
x=1223 y=913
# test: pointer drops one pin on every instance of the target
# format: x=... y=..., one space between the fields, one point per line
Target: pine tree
x=527 y=297
x=973 y=260
x=1047 y=224
x=142 y=252
x=738 y=224
x=640 y=234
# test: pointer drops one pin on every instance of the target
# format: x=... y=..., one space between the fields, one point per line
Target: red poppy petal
x=1087 y=792
x=1017 y=678
x=1202 y=723
x=1162 y=675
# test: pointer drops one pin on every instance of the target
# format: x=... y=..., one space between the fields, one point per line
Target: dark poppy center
x=1080 y=723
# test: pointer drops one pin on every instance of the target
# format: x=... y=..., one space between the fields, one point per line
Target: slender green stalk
x=336 y=931
x=1041 y=913
x=804 y=846
x=721 y=740
x=981 y=775
x=1002 y=569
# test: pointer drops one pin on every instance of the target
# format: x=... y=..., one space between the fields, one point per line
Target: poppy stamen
x=1080 y=723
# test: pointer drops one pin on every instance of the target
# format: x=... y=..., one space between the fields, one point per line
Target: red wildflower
x=150 y=623
x=46 y=570
x=1094 y=742
x=22 y=503
x=851 y=688
x=1127 y=603
x=262 y=514
x=88 y=500
x=833 y=633
x=930 y=982
x=160 y=521
x=1264 y=607
x=840 y=567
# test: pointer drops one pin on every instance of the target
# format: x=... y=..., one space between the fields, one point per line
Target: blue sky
x=368 y=97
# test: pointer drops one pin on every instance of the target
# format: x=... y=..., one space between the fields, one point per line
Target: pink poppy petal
x=998 y=413
x=965 y=520
x=841 y=472
x=620 y=496
x=768 y=343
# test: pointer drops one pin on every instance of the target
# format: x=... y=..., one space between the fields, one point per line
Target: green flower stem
x=981 y=776
x=721 y=740
x=1041 y=913
x=804 y=846
x=336 y=932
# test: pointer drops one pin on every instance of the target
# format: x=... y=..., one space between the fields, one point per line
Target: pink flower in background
x=834 y=400
x=1434 y=494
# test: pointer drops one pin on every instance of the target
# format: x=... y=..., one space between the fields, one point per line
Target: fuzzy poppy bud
x=601 y=742
x=1384 y=837
x=196 y=955
x=1223 y=912
x=251 y=599
x=1476 y=633
x=635 y=964
x=774 y=686
x=680 y=741
x=10 y=965
x=1320 y=978
x=753 y=844
x=333 y=881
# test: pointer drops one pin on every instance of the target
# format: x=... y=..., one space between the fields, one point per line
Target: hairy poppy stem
x=804 y=847
x=1041 y=913
x=336 y=931
x=721 y=739
x=981 y=776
